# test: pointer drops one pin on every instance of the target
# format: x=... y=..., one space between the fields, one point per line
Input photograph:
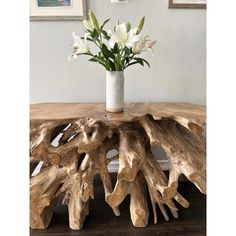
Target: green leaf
x=93 y=59
x=146 y=62
x=127 y=60
x=112 y=65
x=89 y=39
x=106 y=52
x=104 y=23
x=94 y=35
x=132 y=63
x=105 y=34
x=127 y=51
x=107 y=67
x=90 y=31
x=98 y=60
x=115 y=49
x=143 y=61
x=139 y=60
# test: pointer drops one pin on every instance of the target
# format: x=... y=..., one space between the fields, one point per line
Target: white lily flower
x=122 y=37
x=149 y=44
x=143 y=44
x=128 y=42
x=132 y=38
x=80 y=46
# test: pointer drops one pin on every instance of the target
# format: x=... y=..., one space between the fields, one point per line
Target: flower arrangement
x=118 y=48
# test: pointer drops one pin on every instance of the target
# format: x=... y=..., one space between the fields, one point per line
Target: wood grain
x=57 y=111
x=87 y=133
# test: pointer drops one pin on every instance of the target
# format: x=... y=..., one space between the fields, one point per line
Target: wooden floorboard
x=102 y=221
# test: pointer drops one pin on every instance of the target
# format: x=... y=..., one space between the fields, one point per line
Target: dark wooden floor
x=102 y=221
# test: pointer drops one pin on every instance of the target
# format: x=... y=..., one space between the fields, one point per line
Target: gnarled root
x=135 y=155
x=43 y=195
x=80 y=155
x=186 y=151
x=71 y=166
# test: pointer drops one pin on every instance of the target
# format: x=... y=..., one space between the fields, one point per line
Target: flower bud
x=87 y=25
x=93 y=19
x=140 y=25
x=128 y=26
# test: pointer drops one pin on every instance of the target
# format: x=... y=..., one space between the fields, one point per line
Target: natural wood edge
x=81 y=154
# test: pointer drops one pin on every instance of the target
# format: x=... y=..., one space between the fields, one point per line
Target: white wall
x=178 y=68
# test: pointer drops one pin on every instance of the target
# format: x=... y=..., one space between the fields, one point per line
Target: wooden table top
x=62 y=111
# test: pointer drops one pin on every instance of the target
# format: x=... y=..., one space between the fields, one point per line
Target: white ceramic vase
x=114 y=91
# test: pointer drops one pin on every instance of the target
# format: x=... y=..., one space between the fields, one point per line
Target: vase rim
x=114 y=71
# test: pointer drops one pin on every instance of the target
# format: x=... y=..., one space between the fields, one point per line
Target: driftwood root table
x=85 y=133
